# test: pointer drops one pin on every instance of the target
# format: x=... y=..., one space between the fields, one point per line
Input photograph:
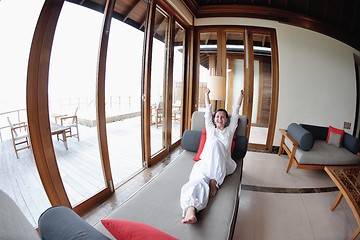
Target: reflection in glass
x=72 y=82
x=157 y=131
x=123 y=94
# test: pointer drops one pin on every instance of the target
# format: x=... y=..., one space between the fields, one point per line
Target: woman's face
x=220 y=120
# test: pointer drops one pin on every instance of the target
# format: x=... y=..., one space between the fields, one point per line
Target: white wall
x=317 y=82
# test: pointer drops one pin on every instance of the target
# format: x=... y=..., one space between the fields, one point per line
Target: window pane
x=19 y=177
x=262 y=93
x=72 y=82
x=178 y=82
x=208 y=55
x=234 y=67
x=158 y=74
x=123 y=94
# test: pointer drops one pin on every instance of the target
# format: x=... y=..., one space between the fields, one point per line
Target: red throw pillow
x=201 y=145
x=126 y=230
x=335 y=136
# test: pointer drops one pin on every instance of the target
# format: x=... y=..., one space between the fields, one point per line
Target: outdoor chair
x=176 y=111
x=20 y=136
x=157 y=114
x=72 y=123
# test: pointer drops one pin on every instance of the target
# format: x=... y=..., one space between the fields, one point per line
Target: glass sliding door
x=19 y=177
x=251 y=64
x=251 y=70
x=158 y=81
x=72 y=85
x=178 y=83
x=262 y=89
x=123 y=95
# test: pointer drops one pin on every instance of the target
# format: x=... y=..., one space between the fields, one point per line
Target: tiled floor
x=268 y=214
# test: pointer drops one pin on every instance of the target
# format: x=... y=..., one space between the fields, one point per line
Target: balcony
x=80 y=166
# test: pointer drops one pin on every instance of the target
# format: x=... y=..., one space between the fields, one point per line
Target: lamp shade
x=217 y=85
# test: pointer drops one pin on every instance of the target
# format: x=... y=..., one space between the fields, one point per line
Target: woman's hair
x=226 y=114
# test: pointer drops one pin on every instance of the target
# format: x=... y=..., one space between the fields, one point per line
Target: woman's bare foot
x=190 y=217
x=213 y=187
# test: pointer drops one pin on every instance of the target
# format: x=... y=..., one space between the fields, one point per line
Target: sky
x=17 y=23
x=74 y=54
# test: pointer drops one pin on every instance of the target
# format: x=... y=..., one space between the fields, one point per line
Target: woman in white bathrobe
x=209 y=173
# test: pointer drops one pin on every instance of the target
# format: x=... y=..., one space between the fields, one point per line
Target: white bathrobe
x=215 y=163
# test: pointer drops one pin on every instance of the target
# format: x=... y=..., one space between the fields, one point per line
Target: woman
x=209 y=173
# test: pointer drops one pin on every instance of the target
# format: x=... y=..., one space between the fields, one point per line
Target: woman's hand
x=240 y=99
x=207 y=98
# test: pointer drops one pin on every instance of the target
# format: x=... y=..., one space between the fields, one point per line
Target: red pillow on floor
x=201 y=145
x=128 y=230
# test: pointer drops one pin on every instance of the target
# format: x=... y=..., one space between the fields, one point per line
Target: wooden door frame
x=173 y=16
x=268 y=147
x=248 y=72
x=38 y=110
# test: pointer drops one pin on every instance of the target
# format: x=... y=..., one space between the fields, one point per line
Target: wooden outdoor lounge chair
x=20 y=136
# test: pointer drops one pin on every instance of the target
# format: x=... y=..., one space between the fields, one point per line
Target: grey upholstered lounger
x=157 y=203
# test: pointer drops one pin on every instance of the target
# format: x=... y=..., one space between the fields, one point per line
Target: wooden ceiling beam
x=207 y=37
x=131 y=8
x=263 y=41
x=177 y=32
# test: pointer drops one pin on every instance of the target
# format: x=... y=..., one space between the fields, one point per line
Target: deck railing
x=16 y=116
x=114 y=104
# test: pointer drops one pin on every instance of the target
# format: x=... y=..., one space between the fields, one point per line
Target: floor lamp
x=217 y=85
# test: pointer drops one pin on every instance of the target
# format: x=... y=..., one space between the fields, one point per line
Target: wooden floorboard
x=80 y=166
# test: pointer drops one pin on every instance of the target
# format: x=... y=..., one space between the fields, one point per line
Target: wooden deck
x=79 y=166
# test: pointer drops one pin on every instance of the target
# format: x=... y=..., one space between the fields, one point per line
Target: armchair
x=157 y=114
x=72 y=123
x=20 y=136
x=176 y=111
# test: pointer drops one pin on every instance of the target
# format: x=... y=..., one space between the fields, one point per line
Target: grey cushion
x=190 y=140
x=302 y=136
x=13 y=223
x=326 y=154
x=334 y=139
x=351 y=143
x=240 y=148
x=197 y=121
x=62 y=223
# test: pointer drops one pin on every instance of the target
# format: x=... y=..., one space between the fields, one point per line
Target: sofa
x=314 y=147
x=154 y=211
